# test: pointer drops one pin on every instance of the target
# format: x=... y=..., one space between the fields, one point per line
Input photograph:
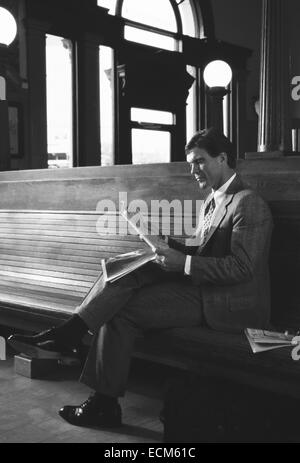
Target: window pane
x=152 y=116
x=149 y=38
x=59 y=101
x=149 y=146
x=191 y=105
x=109 y=4
x=106 y=106
x=187 y=18
x=157 y=13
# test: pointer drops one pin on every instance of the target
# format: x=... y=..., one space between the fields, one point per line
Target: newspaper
x=122 y=264
x=263 y=340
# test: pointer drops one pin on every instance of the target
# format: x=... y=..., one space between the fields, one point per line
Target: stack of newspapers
x=263 y=340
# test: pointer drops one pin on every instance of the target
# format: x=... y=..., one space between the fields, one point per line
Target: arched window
x=158 y=23
x=161 y=24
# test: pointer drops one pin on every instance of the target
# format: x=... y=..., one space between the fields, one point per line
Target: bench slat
x=49 y=273
x=64 y=247
x=46 y=278
x=57 y=263
x=42 y=285
x=87 y=259
x=39 y=288
x=31 y=302
x=42 y=295
x=42 y=265
x=70 y=239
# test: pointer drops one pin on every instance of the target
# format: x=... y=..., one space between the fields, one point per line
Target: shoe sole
x=92 y=423
x=37 y=352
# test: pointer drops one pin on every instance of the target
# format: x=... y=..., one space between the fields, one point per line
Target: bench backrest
x=53 y=258
x=76 y=194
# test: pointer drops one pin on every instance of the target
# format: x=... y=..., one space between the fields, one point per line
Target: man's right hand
x=159 y=241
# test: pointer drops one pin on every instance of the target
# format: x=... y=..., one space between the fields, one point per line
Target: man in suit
x=219 y=279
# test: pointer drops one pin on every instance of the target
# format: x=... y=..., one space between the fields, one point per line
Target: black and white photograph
x=149 y=224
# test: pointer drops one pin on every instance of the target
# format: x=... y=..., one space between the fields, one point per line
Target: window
x=191 y=106
x=151 y=116
x=106 y=105
x=147 y=135
x=110 y=5
x=149 y=38
x=150 y=146
x=59 y=101
x=152 y=23
x=151 y=135
x=188 y=17
x=156 y=13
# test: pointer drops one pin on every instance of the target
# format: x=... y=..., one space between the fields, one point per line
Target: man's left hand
x=171 y=260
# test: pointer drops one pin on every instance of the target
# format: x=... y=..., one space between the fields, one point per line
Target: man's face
x=207 y=170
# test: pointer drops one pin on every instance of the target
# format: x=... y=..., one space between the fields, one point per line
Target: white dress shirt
x=219 y=196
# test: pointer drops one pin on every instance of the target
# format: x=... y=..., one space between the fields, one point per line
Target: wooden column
x=88 y=100
x=274 y=132
x=37 y=101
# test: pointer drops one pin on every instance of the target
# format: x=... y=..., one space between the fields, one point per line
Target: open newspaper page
x=122 y=264
x=263 y=340
x=142 y=227
x=119 y=266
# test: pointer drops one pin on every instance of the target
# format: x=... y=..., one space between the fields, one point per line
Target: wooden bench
x=51 y=249
x=49 y=260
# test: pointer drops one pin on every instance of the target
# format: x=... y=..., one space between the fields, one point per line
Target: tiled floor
x=28 y=408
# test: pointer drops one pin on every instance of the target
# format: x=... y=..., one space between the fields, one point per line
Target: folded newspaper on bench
x=263 y=340
x=122 y=264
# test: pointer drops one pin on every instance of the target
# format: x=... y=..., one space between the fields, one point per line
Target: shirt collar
x=218 y=194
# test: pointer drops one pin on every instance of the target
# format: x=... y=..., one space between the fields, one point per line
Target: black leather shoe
x=47 y=335
x=90 y=414
x=43 y=345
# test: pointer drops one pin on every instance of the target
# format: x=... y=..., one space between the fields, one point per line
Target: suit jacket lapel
x=233 y=188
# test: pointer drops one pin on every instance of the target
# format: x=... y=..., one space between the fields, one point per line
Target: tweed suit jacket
x=232 y=267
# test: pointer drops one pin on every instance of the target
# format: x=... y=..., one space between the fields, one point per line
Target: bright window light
x=151 y=116
x=59 y=101
x=150 y=146
x=149 y=38
x=106 y=105
x=187 y=17
x=157 y=13
x=191 y=105
x=109 y=4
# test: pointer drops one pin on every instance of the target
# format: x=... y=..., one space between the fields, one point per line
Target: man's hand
x=171 y=260
x=159 y=241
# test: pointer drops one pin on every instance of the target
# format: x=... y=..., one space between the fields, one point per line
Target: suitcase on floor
x=217 y=411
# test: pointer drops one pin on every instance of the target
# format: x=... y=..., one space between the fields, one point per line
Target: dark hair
x=215 y=143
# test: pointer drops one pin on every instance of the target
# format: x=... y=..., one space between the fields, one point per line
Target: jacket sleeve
x=249 y=245
x=187 y=250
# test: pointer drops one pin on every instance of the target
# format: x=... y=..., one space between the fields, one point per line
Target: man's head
x=211 y=157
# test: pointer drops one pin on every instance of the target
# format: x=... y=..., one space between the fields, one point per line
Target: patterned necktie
x=208 y=213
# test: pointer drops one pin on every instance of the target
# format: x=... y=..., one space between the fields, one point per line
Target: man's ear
x=223 y=157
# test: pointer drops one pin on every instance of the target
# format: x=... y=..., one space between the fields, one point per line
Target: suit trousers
x=147 y=299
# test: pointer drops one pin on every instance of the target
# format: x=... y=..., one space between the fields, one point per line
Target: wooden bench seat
x=223 y=355
x=50 y=260
x=50 y=252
